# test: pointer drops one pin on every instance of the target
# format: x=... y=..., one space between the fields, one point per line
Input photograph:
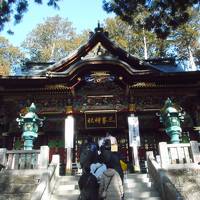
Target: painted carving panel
x=100 y=94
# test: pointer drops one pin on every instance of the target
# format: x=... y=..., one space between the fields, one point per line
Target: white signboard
x=134 y=134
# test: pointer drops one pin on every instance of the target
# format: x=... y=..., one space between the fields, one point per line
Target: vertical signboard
x=134 y=134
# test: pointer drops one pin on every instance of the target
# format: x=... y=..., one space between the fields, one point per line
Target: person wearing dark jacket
x=88 y=153
x=111 y=158
x=88 y=185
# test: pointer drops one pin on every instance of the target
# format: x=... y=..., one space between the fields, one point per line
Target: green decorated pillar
x=30 y=124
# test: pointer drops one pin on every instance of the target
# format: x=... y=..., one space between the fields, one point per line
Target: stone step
x=66 y=188
x=64 y=197
x=67 y=192
x=146 y=186
x=144 y=180
x=130 y=177
x=136 y=180
x=69 y=178
x=136 y=187
x=140 y=194
x=131 y=184
x=25 y=196
x=133 y=195
x=138 y=176
x=68 y=182
x=17 y=188
x=138 y=198
x=75 y=197
x=19 y=179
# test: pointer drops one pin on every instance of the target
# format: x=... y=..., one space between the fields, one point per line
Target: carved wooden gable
x=100 y=91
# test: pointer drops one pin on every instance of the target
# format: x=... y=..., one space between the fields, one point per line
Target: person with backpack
x=97 y=170
x=111 y=158
x=110 y=187
x=88 y=186
x=89 y=153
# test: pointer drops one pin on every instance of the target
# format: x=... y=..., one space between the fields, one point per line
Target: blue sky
x=84 y=14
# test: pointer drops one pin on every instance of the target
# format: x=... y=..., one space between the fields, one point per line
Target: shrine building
x=94 y=90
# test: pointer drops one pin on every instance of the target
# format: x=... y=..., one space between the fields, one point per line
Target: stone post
x=164 y=154
x=135 y=158
x=56 y=161
x=69 y=161
x=195 y=151
x=149 y=154
x=3 y=158
x=44 y=157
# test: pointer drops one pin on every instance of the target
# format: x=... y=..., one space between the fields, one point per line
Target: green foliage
x=163 y=16
x=197 y=55
x=187 y=35
x=131 y=38
x=51 y=40
x=15 y=9
x=9 y=56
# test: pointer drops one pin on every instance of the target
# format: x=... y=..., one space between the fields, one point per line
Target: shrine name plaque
x=100 y=119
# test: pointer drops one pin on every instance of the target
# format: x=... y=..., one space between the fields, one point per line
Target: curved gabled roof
x=113 y=65
x=100 y=37
x=98 y=61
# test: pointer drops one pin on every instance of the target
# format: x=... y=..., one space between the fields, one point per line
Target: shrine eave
x=98 y=37
x=98 y=64
x=178 y=78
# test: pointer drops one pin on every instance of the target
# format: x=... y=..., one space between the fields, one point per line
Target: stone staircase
x=136 y=187
x=17 y=187
x=66 y=188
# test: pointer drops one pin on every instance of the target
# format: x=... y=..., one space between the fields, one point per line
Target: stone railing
x=33 y=163
x=24 y=159
x=161 y=181
x=179 y=155
x=27 y=162
x=48 y=180
x=173 y=158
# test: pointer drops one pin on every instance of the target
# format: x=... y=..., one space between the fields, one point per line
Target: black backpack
x=107 y=144
x=86 y=155
x=87 y=191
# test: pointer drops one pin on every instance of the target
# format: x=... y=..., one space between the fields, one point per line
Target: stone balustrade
x=161 y=180
x=172 y=157
x=179 y=155
x=48 y=180
x=27 y=162
x=24 y=159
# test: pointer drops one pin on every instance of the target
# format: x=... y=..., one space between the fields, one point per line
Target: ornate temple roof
x=106 y=51
x=100 y=54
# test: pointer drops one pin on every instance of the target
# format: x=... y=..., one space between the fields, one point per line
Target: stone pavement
x=136 y=187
